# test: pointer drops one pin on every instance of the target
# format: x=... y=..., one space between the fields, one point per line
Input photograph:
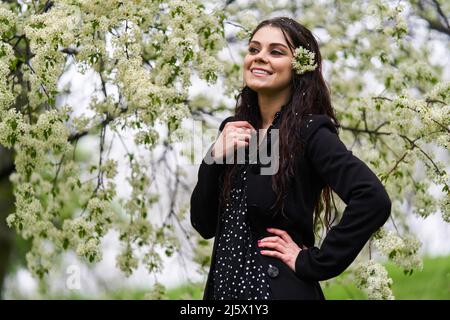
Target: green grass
x=186 y=292
x=432 y=283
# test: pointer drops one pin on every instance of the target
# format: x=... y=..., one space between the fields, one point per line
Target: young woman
x=264 y=225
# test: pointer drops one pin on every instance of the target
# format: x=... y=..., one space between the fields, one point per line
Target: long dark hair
x=310 y=94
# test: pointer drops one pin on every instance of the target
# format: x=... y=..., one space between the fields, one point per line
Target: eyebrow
x=272 y=44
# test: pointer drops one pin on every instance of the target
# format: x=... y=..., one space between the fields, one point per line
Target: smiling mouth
x=260 y=72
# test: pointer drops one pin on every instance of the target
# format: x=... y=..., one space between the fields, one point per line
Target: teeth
x=260 y=71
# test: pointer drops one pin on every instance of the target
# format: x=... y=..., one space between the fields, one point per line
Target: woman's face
x=267 y=65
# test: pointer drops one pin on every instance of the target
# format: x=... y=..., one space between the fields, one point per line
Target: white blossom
x=303 y=60
x=402 y=251
x=373 y=279
x=90 y=250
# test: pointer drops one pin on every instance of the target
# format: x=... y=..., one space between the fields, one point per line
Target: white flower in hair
x=303 y=60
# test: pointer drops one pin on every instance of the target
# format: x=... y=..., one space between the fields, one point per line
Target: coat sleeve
x=368 y=205
x=205 y=196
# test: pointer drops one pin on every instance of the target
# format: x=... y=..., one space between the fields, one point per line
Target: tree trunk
x=6 y=207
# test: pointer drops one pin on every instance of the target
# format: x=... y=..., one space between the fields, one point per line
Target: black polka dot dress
x=238 y=273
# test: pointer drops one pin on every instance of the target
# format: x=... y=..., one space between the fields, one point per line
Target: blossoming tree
x=391 y=98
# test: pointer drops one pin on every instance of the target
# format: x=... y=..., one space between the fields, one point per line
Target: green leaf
x=38 y=25
x=392 y=254
x=65 y=243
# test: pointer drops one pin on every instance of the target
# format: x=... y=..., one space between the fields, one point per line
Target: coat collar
x=277 y=116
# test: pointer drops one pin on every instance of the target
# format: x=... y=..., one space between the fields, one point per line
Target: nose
x=261 y=56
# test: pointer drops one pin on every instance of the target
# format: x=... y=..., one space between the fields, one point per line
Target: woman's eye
x=255 y=50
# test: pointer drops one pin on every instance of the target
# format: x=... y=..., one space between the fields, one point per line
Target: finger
x=273 y=245
x=240 y=144
x=243 y=136
x=274 y=254
x=238 y=131
x=243 y=130
x=240 y=124
x=273 y=239
x=281 y=233
x=238 y=137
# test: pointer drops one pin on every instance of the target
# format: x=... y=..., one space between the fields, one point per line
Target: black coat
x=325 y=160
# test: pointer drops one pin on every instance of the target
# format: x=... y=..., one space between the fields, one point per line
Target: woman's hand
x=284 y=247
x=235 y=134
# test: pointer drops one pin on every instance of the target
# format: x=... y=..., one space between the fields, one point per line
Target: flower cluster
x=126 y=261
x=12 y=128
x=6 y=58
x=77 y=229
x=100 y=211
x=248 y=22
x=373 y=279
x=441 y=92
x=51 y=129
x=149 y=137
x=8 y=19
x=158 y=292
x=40 y=259
x=90 y=249
x=402 y=251
x=444 y=203
x=303 y=60
x=209 y=68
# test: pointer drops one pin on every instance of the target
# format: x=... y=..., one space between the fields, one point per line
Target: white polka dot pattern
x=238 y=273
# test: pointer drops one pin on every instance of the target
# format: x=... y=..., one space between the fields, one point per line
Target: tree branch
x=415 y=145
x=433 y=23
x=7 y=170
x=397 y=163
x=428 y=101
x=441 y=13
x=376 y=132
x=56 y=175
